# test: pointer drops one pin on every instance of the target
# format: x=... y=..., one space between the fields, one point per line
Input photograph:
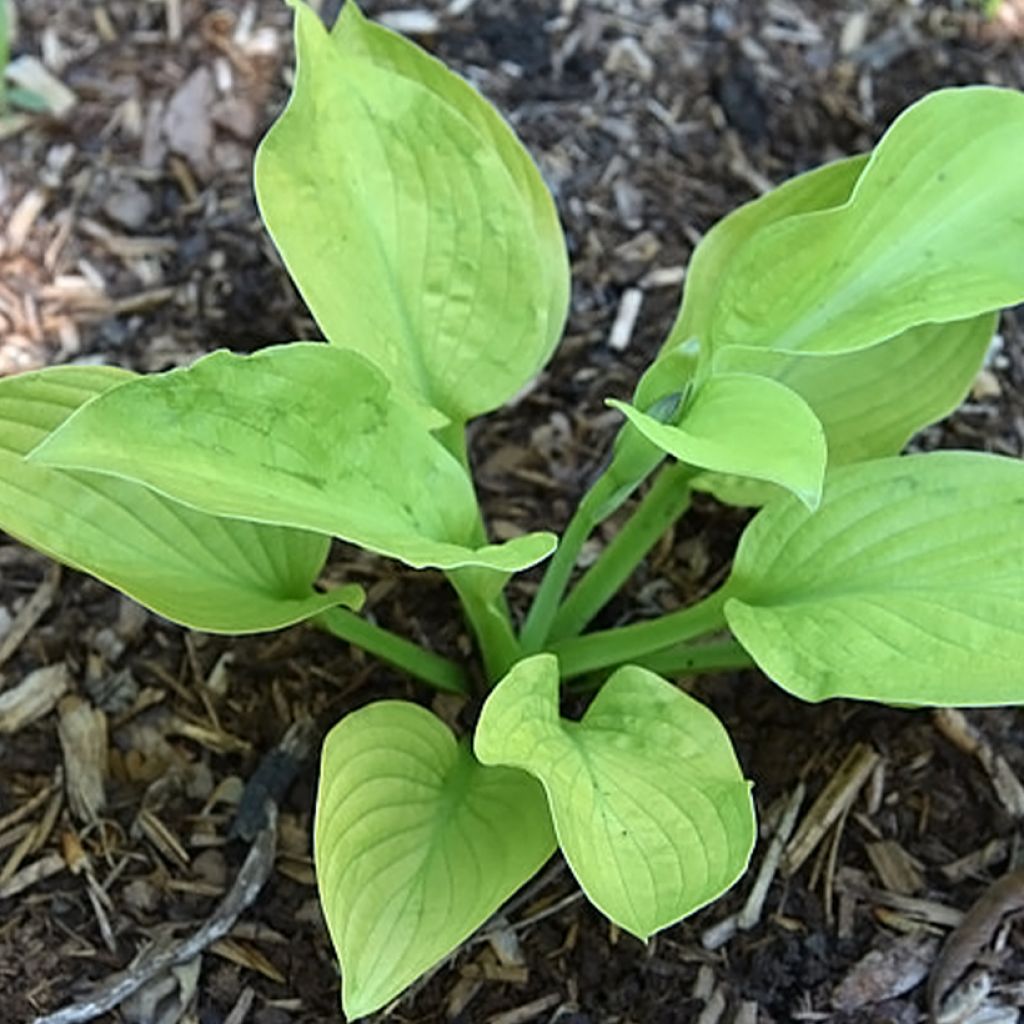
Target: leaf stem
x=489 y=619
x=633 y=460
x=486 y=613
x=681 y=660
x=690 y=659
x=641 y=639
x=661 y=506
x=438 y=671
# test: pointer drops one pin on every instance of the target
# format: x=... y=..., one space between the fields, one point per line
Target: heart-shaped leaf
x=417 y=844
x=650 y=807
x=871 y=401
x=302 y=435
x=932 y=233
x=747 y=425
x=414 y=224
x=905 y=586
x=213 y=574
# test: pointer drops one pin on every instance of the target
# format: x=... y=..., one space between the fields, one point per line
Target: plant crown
x=822 y=325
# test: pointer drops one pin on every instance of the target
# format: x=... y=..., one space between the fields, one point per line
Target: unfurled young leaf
x=930 y=234
x=905 y=586
x=650 y=807
x=417 y=844
x=872 y=401
x=747 y=425
x=414 y=224
x=213 y=574
x=303 y=435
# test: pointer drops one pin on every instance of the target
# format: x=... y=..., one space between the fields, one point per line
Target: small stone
x=128 y=205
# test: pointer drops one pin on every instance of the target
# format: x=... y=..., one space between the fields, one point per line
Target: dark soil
x=650 y=119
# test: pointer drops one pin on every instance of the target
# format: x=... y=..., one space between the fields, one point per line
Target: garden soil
x=129 y=235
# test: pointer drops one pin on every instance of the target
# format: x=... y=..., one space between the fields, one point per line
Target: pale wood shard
x=45 y=867
x=625 y=319
x=82 y=730
x=898 y=871
x=754 y=906
x=32 y=611
x=837 y=797
x=19 y=814
x=21 y=221
x=974 y=864
x=528 y=1011
x=886 y=973
x=240 y=1011
x=957 y=728
x=714 y=1008
x=248 y=956
x=34 y=697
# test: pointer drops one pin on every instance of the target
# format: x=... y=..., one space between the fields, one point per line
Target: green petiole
x=663 y=504
x=438 y=671
x=633 y=643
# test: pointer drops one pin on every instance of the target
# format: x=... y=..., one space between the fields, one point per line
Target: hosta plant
x=821 y=326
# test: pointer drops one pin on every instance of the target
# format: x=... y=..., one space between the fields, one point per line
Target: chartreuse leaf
x=209 y=573
x=416 y=845
x=932 y=232
x=905 y=586
x=356 y=36
x=870 y=401
x=455 y=276
x=747 y=425
x=649 y=804
x=819 y=189
x=302 y=435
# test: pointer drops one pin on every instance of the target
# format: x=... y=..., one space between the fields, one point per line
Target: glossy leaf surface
x=931 y=233
x=302 y=435
x=413 y=223
x=872 y=401
x=649 y=804
x=417 y=844
x=906 y=585
x=747 y=425
x=209 y=573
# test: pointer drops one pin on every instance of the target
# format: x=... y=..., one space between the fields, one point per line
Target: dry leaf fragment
x=886 y=973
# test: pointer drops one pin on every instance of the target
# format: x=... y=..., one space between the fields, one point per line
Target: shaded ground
x=129 y=235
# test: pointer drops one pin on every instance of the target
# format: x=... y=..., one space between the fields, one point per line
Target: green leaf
x=649 y=804
x=218 y=575
x=747 y=425
x=819 y=189
x=355 y=36
x=416 y=845
x=905 y=586
x=871 y=401
x=933 y=232
x=302 y=435
x=412 y=221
